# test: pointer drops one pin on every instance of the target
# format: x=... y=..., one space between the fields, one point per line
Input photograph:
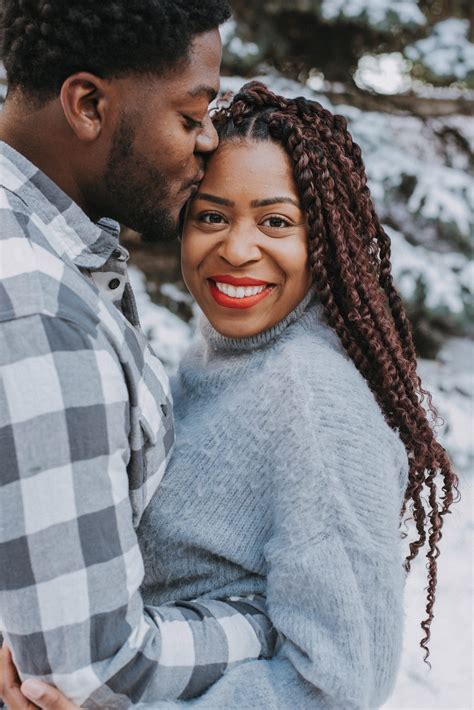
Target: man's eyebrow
x=203 y=90
x=215 y=199
x=274 y=201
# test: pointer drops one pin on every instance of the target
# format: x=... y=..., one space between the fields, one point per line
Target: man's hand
x=17 y=695
x=10 y=683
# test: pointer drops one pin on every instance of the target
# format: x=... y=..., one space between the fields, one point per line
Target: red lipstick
x=239 y=281
x=226 y=301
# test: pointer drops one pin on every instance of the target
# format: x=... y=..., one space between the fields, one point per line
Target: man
x=106 y=115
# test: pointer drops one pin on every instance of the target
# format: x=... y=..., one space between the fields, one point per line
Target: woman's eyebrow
x=215 y=199
x=255 y=203
x=273 y=201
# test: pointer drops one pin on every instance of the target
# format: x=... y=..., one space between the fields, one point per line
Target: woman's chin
x=236 y=330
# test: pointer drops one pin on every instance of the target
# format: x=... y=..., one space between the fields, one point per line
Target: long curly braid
x=45 y=41
x=350 y=262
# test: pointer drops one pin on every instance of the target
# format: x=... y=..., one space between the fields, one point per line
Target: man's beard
x=138 y=191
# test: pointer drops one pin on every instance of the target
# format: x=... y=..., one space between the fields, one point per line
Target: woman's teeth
x=239 y=291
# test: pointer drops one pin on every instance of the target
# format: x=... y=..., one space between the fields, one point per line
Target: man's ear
x=84 y=99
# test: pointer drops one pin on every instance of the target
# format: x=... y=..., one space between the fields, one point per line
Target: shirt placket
x=113 y=283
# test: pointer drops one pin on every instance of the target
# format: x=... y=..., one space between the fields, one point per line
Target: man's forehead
x=201 y=74
x=197 y=77
x=177 y=89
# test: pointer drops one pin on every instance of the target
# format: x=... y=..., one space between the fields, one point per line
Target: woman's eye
x=276 y=222
x=211 y=218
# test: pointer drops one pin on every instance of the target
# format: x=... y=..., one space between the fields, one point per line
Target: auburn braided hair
x=350 y=262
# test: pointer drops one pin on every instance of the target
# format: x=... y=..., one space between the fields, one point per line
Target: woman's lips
x=235 y=296
x=239 y=280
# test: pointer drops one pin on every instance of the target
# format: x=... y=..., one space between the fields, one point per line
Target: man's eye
x=276 y=222
x=191 y=123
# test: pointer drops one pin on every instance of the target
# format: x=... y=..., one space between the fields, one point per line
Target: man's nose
x=207 y=139
x=239 y=247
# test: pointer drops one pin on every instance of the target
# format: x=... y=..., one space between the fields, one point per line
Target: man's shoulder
x=34 y=279
x=14 y=213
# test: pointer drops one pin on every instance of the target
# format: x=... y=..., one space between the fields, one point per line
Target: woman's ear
x=84 y=99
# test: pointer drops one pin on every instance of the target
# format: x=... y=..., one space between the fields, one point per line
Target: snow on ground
x=448 y=686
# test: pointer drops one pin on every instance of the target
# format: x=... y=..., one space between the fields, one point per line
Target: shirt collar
x=69 y=231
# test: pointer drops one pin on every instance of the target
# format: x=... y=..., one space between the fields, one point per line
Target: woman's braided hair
x=45 y=41
x=350 y=262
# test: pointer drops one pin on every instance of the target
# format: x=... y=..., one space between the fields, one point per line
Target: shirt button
x=113 y=284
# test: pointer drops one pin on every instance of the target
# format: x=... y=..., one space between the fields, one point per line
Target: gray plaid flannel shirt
x=86 y=430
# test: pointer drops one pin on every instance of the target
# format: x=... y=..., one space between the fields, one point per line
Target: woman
x=301 y=437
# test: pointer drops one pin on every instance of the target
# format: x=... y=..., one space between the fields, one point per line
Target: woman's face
x=245 y=240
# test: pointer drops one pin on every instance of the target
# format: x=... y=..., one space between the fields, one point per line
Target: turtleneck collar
x=217 y=341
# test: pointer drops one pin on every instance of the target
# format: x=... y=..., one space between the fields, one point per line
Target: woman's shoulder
x=313 y=357
x=326 y=411
x=323 y=380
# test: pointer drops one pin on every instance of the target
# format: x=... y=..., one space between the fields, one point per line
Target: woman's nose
x=239 y=247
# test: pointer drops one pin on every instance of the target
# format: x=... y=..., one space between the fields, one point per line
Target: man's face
x=162 y=137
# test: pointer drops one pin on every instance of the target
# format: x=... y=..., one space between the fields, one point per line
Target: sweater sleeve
x=335 y=575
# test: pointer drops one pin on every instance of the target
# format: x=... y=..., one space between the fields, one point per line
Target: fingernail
x=33 y=689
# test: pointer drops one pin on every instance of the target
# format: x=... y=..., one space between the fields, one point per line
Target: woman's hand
x=17 y=695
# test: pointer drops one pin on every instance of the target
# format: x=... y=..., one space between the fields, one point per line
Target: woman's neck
x=217 y=341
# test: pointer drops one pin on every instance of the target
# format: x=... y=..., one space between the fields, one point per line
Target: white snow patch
x=384 y=73
x=399 y=147
x=175 y=294
x=447 y=52
x=376 y=12
x=235 y=44
x=439 y=273
x=445 y=195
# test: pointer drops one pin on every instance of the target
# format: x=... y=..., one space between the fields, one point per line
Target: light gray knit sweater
x=285 y=480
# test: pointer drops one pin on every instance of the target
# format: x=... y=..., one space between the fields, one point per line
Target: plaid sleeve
x=70 y=565
x=200 y=641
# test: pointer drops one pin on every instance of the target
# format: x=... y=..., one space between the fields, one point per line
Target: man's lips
x=193 y=185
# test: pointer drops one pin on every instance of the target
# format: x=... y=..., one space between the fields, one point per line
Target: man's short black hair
x=45 y=41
